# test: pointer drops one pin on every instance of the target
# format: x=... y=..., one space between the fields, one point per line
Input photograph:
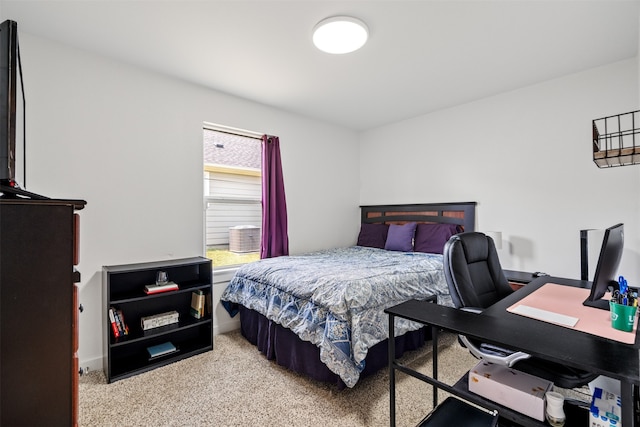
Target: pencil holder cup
x=622 y=316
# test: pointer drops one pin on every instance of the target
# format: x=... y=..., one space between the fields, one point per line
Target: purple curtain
x=275 y=240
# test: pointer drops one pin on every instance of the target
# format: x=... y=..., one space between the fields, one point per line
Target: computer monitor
x=8 y=75
x=607 y=267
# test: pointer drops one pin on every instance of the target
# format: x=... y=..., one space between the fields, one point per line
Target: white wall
x=525 y=157
x=100 y=130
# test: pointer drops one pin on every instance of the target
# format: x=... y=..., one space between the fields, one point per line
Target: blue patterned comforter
x=336 y=298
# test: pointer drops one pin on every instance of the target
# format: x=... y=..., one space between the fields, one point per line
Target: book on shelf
x=197 y=304
x=161 y=349
x=118 y=325
x=162 y=287
x=124 y=329
x=114 y=325
x=157 y=320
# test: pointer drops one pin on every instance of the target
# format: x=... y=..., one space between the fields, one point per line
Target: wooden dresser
x=39 y=312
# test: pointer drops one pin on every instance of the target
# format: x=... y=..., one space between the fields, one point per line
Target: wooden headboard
x=463 y=214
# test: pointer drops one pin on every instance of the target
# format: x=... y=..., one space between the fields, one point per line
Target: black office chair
x=476 y=281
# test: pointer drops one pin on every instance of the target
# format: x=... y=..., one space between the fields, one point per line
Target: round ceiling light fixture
x=340 y=34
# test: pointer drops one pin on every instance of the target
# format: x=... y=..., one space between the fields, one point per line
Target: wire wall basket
x=614 y=140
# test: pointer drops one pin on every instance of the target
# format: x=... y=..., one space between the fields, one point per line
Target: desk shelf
x=576 y=416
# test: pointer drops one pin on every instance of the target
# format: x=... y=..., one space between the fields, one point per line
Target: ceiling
x=422 y=56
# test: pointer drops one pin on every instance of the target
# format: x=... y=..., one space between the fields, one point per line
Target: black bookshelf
x=123 y=287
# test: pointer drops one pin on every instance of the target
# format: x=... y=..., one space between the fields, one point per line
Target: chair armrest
x=490 y=352
x=494 y=354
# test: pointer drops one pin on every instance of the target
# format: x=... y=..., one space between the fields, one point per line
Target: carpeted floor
x=234 y=385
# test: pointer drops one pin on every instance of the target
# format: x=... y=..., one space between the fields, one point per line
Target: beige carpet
x=234 y=385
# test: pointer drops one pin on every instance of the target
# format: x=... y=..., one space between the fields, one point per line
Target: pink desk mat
x=568 y=300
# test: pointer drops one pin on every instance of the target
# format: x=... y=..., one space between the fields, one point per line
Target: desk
x=518 y=279
x=540 y=339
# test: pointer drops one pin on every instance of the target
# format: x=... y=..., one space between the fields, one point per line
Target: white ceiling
x=422 y=56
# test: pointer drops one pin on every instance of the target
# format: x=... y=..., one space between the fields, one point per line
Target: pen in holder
x=622 y=316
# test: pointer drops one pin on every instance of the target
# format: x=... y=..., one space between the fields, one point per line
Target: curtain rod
x=232 y=130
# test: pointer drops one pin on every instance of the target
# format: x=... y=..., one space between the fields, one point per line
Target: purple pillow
x=431 y=238
x=400 y=237
x=373 y=235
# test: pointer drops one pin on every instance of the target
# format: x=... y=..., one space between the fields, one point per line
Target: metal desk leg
x=392 y=371
x=626 y=397
x=434 y=368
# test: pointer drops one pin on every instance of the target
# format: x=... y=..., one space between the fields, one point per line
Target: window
x=232 y=195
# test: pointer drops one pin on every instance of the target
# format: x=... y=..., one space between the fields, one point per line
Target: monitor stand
x=602 y=303
x=14 y=192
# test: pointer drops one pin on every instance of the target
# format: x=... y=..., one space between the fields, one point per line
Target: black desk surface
x=540 y=339
x=519 y=276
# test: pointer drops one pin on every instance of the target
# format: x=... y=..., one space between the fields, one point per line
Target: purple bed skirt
x=287 y=349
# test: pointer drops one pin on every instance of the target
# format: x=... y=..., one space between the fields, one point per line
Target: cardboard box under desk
x=511 y=388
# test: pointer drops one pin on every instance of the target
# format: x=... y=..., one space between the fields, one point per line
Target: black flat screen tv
x=607 y=267
x=8 y=77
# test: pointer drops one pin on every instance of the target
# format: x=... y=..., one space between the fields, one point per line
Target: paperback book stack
x=118 y=327
x=197 y=304
x=157 y=320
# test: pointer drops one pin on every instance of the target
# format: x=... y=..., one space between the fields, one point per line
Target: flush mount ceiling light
x=340 y=34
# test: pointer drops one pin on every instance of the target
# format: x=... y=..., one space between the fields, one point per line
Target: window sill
x=224 y=274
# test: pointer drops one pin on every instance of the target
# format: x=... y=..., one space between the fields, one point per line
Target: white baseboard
x=226 y=327
x=222 y=322
x=90 y=365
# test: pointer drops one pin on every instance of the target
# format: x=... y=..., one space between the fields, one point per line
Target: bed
x=322 y=314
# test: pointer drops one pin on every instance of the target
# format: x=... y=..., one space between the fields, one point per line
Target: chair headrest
x=476 y=246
